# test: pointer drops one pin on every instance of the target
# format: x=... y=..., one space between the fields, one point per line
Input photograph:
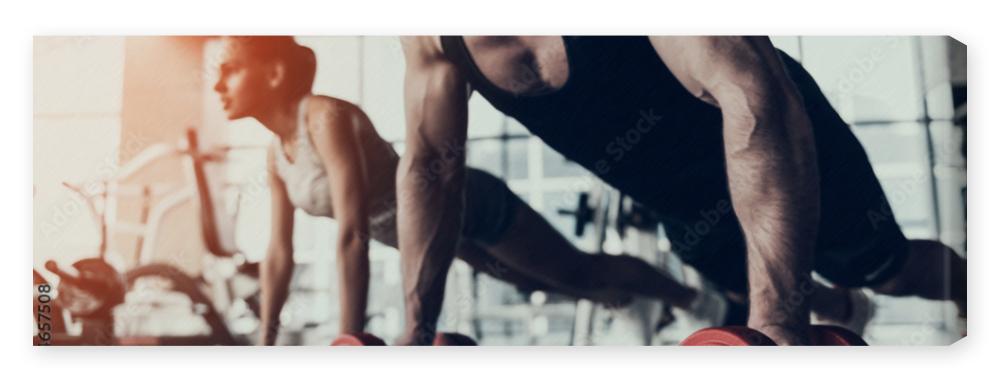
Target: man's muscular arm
x=770 y=164
x=429 y=182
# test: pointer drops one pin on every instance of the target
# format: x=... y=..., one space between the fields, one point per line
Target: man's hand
x=770 y=164
x=420 y=336
x=785 y=335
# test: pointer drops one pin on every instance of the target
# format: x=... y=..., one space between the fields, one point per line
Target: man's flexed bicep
x=430 y=181
x=770 y=164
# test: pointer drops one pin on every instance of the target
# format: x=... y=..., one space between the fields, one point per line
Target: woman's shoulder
x=329 y=117
x=334 y=114
x=320 y=105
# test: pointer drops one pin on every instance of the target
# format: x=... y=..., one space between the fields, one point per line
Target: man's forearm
x=275 y=277
x=431 y=203
x=771 y=162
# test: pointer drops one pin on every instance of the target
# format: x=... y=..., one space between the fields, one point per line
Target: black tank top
x=622 y=115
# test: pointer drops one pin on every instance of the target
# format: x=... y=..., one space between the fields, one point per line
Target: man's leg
x=479 y=259
x=932 y=271
x=831 y=303
x=532 y=247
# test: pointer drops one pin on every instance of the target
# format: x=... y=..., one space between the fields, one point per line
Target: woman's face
x=243 y=84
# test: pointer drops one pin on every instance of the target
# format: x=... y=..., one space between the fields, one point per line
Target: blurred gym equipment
x=636 y=229
x=93 y=291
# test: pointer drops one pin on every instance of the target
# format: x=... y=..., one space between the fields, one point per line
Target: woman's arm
x=334 y=126
x=276 y=271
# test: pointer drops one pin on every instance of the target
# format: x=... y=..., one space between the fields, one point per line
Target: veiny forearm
x=275 y=278
x=353 y=268
x=771 y=164
x=429 y=182
x=431 y=204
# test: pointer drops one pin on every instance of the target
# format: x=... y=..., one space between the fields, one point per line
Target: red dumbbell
x=727 y=336
x=820 y=335
x=360 y=339
x=453 y=339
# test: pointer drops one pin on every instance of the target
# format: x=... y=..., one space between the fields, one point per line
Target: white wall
x=76 y=132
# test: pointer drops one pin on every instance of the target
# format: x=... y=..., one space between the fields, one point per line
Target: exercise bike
x=93 y=293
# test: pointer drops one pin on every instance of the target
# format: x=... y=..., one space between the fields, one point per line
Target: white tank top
x=308 y=188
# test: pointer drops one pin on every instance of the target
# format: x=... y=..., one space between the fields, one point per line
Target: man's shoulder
x=423 y=49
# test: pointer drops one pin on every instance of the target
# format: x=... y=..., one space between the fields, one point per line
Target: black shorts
x=859 y=242
x=489 y=207
x=489 y=211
